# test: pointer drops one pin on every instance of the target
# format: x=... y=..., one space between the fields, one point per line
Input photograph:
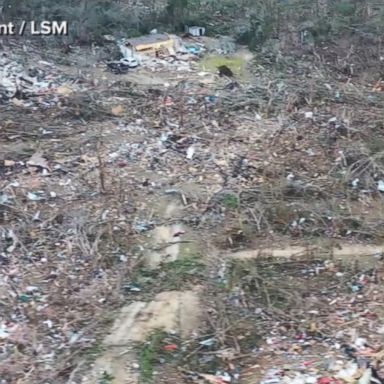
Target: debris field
x=136 y=211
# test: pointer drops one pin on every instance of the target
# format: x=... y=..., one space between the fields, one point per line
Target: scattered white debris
x=31 y=289
x=190 y=153
x=4 y=334
x=308 y=115
x=35 y=196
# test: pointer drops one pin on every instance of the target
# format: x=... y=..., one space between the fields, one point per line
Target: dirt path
x=347 y=252
x=169 y=311
x=176 y=312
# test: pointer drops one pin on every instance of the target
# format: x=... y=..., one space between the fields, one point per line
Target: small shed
x=195 y=30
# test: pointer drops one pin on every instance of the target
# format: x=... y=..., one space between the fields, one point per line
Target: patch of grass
x=106 y=378
x=171 y=275
x=149 y=355
x=182 y=270
x=94 y=351
x=231 y=201
x=235 y=63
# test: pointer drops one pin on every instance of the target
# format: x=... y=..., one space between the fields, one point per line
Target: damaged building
x=159 y=44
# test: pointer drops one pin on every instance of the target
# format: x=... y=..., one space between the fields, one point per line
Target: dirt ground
x=181 y=227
